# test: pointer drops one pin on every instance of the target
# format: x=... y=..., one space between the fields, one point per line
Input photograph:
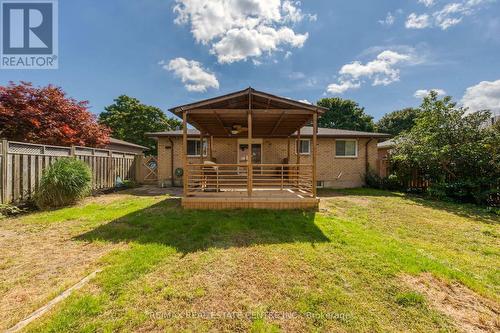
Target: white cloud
x=451 y=15
x=383 y=70
x=192 y=74
x=237 y=30
x=240 y=44
x=342 y=87
x=296 y=75
x=427 y=3
x=448 y=16
x=415 y=21
x=305 y=101
x=389 y=19
x=293 y=13
x=421 y=93
x=483 y=96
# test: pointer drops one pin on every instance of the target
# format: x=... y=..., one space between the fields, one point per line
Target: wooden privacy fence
x=22 y=165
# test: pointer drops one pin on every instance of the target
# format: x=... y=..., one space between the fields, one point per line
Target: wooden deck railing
x=234 y=177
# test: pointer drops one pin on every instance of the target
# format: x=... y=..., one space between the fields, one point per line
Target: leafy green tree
x=454 y=150
x=398 y=121
x=344 y=114
x=129 y=119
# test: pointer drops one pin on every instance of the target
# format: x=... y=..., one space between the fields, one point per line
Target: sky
x=385 y=55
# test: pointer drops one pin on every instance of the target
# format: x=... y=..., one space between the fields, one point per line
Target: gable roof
x=125 y=143
x=227 y=115
x=239 y=100
x=387 y=144
x=306 y=131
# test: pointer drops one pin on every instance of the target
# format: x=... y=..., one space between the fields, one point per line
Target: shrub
x=8 y=210
x=63 y=183
x=129 y=184
x=479 y=191
x=391 y=182
x=372 y=179
x=454 y=151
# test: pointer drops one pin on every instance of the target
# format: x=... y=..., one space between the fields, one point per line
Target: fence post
x=111 y=176
x=72 y=151
x=5 y=151
x=137 y=168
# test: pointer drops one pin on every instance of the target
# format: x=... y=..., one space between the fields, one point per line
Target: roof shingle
x=306 y=131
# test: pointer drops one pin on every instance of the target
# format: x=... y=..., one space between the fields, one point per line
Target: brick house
x=343 y=169
x=231 y=128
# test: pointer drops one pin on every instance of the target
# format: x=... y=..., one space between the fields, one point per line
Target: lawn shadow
x=192 y=230
x=361 y=191
x=467 y=210
x=153 y=191
x=464 y=210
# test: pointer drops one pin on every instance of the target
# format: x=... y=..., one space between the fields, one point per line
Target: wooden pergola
x=247 y=114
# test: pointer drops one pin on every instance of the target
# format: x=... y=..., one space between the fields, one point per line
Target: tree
x=453 y=149
x=398 y=121
x=47 y=116
x=129 y=119
x=344 y=114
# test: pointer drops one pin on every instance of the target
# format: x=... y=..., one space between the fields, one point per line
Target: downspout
x=367 y=164
x=171 y=161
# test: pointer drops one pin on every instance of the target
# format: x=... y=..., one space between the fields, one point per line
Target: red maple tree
x=46 y=115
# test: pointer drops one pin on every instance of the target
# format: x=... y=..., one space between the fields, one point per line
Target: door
x=256 y=153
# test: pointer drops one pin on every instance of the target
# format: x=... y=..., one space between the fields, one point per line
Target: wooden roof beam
x=233 y=111
x=221 y=123
x=196 y=124
x=278 y=123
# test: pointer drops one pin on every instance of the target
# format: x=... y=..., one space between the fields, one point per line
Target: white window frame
x=204 y=147
x=299 y=146
x=347 y=156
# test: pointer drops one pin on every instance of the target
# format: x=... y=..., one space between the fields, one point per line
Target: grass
x=410 y=299
x=339 y=269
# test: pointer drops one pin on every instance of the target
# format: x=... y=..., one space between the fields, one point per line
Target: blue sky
x=378 y=53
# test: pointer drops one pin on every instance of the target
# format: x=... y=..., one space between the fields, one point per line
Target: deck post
x=289 y=159
x=297 y=151
x=315 y=153
x=210 y=147
x=184 y=153
x=288 y=156
x=249 y=152
x=201 y=147
x=204 y=177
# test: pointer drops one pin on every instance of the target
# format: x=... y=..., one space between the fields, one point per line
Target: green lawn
x=344 y=268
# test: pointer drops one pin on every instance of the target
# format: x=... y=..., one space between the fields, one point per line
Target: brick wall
x=333 y=171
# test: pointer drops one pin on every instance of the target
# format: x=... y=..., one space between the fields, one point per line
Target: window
x=194 y=147
x=304 y=146
x=346 y=148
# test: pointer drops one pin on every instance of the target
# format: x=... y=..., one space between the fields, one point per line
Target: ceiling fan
x=237 y=129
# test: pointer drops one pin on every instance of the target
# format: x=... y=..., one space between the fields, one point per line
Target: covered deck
x=248 y=115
